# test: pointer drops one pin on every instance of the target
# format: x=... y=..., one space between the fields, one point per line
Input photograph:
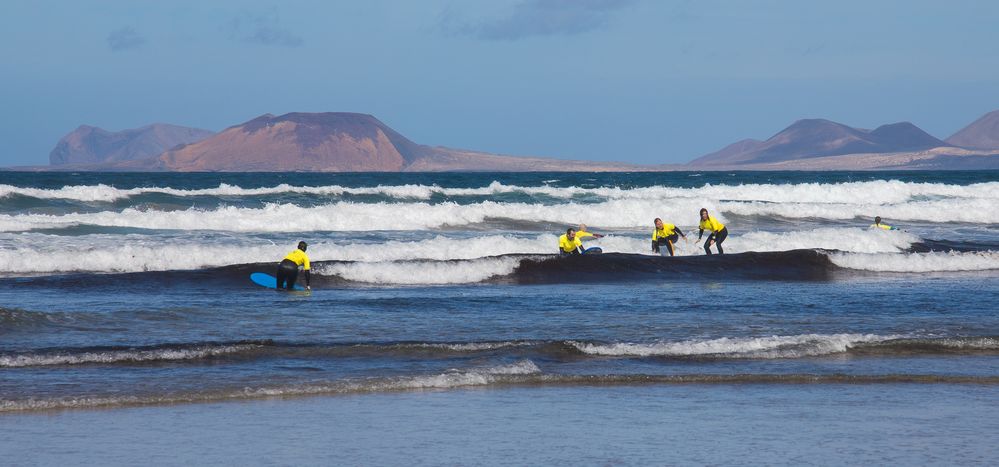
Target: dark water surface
x=439 y=312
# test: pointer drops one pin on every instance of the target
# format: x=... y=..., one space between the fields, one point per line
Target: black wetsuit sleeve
x=679 y=231
x=655 y=246
x=308 y=278
x=700 y=233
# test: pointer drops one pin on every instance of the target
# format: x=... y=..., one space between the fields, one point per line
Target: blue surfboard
x=593 y=250
x=269 y=281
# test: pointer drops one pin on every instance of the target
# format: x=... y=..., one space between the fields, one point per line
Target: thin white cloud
x=263 y=29
x=124 y=39
x=531 y=18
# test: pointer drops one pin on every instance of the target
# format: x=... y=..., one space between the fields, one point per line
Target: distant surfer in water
x=287 y=271
x=878 y=225
x=718 y=232
x=665 y=234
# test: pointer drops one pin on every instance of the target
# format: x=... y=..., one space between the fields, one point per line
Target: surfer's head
x=704 y=214
x=570 y=233
x=302 y=246
x=658 y=222
x=877 y=219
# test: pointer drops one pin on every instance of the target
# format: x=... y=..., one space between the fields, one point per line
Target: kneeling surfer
x=665 y=234
x=287 y=271
x=569 y=243
x=718 y=232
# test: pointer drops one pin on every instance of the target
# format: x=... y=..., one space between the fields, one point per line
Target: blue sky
x=641 y=81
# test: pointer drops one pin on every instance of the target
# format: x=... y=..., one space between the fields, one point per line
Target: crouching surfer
x=665 y=235
x=287 y=271
x=571 y=243
x=878 y=225
x=717 y=229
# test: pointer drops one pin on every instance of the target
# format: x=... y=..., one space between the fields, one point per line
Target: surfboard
x=593 y=251
x=269 y=281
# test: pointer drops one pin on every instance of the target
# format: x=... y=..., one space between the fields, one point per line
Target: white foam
x=475 y=346
x=877 y=192
x=744 y=347
x=448 y=380
x=38 y=253
x=613 y=213
x=116 y=356
x=970 y=210
x=918 y=262
x=134 y=257
x=841 y=239
x=423 y=272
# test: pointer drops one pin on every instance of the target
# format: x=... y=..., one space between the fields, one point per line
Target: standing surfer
x=287 y=271
x=665 y=234
x=717 y=229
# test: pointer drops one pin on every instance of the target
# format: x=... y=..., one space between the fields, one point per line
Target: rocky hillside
x=819 y=138
x=92 y=145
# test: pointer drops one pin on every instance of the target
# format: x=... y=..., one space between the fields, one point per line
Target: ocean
x=442 y=328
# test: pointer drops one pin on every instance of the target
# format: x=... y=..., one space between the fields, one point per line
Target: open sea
x=442 y=328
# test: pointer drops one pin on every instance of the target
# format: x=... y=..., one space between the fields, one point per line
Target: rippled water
x=123 y=290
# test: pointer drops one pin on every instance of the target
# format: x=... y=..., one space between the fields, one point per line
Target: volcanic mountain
x=980 y=134
x=334 y=142
x=813 y=138
x=92 y=145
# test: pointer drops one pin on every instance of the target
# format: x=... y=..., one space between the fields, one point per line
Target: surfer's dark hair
x=302 y=246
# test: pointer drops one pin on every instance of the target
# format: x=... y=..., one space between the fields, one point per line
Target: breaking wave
x=878 y=192
x=754 y=347
x=918 y=262
x=762 y=347
x=136 y=253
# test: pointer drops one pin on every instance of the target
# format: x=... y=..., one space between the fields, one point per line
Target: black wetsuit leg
x=707 y=243
x=287 y=273
x=672 y=241
x=719 y=238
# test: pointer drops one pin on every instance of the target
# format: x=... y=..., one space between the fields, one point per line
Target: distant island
x=305 y=142
x=817 y=144
x=353 y=142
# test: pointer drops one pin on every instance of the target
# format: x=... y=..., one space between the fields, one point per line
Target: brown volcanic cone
x=324 y=142
x=980 y=134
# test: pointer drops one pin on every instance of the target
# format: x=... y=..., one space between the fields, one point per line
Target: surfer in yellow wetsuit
x=583 y=233
x=287 y=271
x=878 y=225
x=665 y=234
x=569 y=243
x=717 y=229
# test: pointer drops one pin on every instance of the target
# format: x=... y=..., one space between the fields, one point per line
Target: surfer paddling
x=665 y=235
x=878 y=225
x=717 y=229
x=287 y=271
